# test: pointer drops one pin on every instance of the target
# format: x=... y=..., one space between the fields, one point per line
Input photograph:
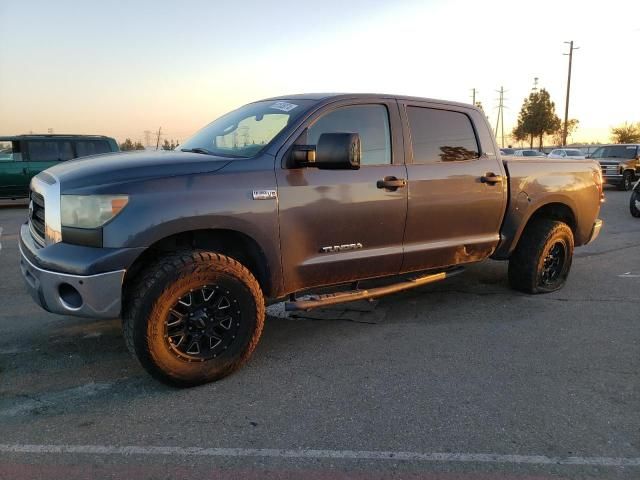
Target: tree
x=572 y=126
x=139 y=146
x=127 y=145
x=627 y=133
x=169 y=146
x=537 y=118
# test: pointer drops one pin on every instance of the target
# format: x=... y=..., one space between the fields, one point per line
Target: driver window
x=371 y=122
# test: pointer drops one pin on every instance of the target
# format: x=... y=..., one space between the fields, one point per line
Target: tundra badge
x=265 y=194
x=341 y=248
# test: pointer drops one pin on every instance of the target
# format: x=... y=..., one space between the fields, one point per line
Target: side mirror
x=338 y=151
x=334 y=151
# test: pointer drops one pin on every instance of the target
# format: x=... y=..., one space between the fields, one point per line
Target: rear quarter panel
x=536 y=183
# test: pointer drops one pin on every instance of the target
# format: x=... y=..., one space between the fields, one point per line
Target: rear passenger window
x=49 y=150
x=91 y=147
x=371 y=122
x=441 y=136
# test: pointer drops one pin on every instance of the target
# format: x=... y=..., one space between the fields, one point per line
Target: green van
x=23 y=156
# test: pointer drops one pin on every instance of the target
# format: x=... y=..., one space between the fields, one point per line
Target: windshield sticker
x=284 y=106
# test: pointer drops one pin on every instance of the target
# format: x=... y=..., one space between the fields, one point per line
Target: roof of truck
x=48 y=135
x=345 y=96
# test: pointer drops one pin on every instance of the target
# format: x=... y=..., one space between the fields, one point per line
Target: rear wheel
x=193 y=317
x=627 y=181
x=542 y=259
x=634 y=203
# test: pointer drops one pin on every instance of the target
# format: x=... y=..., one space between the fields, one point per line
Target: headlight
x=90 y=211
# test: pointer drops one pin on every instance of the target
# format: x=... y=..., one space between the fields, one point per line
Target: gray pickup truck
x=311 y=199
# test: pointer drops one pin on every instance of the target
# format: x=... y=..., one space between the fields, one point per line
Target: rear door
x=337 y=225
x=457 y=187
x=47 y=152
x=14 y=174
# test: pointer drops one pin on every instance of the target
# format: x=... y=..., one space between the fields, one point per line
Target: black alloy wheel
x=203 y=323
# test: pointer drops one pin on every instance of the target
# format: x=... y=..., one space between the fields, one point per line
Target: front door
x=457 y=187
x=337 y=225
x=14 y=175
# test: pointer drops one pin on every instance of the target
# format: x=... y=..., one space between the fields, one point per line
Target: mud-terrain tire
x=634 y=202
x=193 y=317
x=542 y=259
x=627 y=181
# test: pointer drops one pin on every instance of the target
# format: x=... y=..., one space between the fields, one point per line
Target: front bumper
x=98 y=295
x=595 y=231
x=612 y=179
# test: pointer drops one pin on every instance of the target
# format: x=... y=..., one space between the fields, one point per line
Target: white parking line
x=320 y=454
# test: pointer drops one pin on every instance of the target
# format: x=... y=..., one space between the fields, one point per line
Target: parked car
x=620 y=164
x=570 y=153
x=634 y=201
x=528 y=153
x=23 y=156
x=507 y=151
x=285 y=196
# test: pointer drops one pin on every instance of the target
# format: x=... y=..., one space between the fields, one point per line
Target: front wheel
x=542 y=259
x=193 y=317
x=627 y=181
x=634 y=203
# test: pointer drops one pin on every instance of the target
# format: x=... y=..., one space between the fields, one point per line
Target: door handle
x=391 y=183
x=491 y=178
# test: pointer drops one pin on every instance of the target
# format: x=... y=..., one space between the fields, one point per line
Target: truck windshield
x=246 y=131
x=615 y=151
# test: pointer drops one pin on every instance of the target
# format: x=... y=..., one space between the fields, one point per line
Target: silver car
x=570 y=153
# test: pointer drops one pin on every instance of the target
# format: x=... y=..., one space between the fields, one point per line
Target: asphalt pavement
x=463 y=379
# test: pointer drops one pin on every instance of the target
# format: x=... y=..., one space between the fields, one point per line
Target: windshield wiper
x=197 y=150
x=209 y=152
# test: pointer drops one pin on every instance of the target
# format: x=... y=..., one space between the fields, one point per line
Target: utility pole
x=473 y=96
x=566 y=103
x=500 y=119
x=158 y=140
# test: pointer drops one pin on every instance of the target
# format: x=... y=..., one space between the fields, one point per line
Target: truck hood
x=124 y=167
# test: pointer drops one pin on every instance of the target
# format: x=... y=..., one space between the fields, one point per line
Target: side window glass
x=65 y=151
x=43 y=151
x=441 y=136
x=91 y=147
x=371 y=122
x=6 y=152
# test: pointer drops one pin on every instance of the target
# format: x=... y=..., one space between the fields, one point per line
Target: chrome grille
x=610 y=169
x=37 y=218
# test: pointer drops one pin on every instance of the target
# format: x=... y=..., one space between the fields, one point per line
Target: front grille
x=36 y=218
x=610 y=170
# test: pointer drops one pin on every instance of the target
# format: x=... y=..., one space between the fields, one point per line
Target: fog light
x=69 y=296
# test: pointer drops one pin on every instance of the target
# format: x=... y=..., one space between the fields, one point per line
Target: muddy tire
x=193 y=317
x=634 y=203
x=542 y=259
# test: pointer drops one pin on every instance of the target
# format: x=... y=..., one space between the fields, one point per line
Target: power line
x=566 y=103
x=500 y=118
x=158 y=140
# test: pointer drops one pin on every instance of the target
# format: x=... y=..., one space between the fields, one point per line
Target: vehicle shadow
x=58 y=365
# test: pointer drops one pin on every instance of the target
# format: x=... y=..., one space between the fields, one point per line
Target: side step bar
x=315 y=301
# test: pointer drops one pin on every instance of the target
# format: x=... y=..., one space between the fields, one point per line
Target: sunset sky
x=119 y=68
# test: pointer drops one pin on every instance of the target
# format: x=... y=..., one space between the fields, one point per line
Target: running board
x=315 y=301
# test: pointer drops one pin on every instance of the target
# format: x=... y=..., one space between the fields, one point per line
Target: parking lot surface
x=463 y=379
